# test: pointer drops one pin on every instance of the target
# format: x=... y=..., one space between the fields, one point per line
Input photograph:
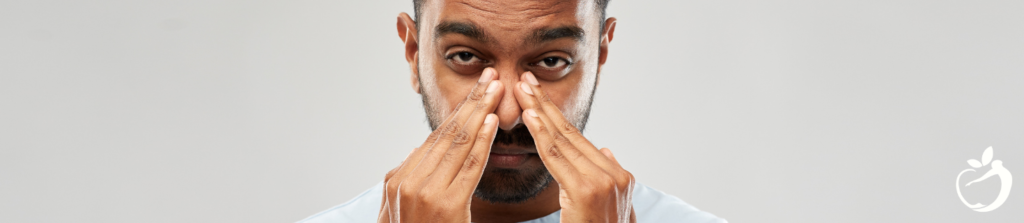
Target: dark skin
x=497 y=65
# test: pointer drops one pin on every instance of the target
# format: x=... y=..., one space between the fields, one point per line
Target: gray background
x=259 y=111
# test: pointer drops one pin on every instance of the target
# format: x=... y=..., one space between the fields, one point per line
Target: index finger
x=531 y=96
x=456 y=136
x=419 y=154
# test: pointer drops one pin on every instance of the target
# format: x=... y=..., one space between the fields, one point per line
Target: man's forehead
x=510 y=10
x=536 y=19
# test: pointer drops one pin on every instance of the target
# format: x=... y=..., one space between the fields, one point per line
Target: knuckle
x=391 y=173
x=476 y=94
x=545 y=98
x=484 y=137
x=461 y=138
x=553 y=151
x=568 y=129
x=407 y=191
x=625 y=180
x=541 y=128
x=451 y=129
x=424 y=193
x=472 y=161
x=391 y=185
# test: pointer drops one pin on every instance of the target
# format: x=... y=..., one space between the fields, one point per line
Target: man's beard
x=498 y=185
x=510 y=186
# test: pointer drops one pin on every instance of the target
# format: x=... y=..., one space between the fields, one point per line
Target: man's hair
x=417 y=5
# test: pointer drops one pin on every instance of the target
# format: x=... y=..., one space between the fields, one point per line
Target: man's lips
x=503 y=156
x=508 y=161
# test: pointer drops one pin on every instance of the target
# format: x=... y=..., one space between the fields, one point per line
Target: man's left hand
x=593 y=187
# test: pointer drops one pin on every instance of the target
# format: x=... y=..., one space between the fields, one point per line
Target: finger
x=394 y=179
x=459 y=131
x=473 y=164
x=531 y=96
x=413 y=159
x=542 y=100
x=552 y=156
x=608 y=153
x=384 y=214
x=419 y=154
x=622 y=177
x=478 y=128
x=485 y=77
x=384 y=196
x=580 y=161
x=632 y=215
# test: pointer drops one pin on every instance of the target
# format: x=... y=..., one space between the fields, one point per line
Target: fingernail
x=526 y=88
x=487 y=75
x=491 y=88
x=530 y=78
x=490 y=118
x=531 y=113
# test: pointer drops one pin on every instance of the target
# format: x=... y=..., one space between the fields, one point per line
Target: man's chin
x=513 y=179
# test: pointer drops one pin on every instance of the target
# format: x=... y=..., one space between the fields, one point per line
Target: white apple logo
x=997 y=170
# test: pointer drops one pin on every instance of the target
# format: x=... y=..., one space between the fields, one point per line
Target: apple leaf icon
x=974 y=163
x=986 y=157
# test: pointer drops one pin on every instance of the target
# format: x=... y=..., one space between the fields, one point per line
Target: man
x=507 y=88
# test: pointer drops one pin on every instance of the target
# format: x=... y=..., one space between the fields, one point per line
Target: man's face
x=560 y=42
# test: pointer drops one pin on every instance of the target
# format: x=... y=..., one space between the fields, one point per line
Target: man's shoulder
x=650 y=205
x=655 y=206
x=362 y=208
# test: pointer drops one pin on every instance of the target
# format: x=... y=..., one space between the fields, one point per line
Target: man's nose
x=508 y=110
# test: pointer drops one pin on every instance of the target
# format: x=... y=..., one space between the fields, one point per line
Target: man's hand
x=593 y=187
x=436 y=182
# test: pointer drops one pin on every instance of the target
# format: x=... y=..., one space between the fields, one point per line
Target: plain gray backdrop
x=270 y=111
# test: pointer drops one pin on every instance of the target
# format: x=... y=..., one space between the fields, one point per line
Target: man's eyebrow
x=465 y=29
x=542 y=35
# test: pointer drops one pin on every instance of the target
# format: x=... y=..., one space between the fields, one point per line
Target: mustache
x=517 y=136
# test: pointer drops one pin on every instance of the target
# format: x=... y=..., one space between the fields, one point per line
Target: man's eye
x=553 y=62
x=464 y=58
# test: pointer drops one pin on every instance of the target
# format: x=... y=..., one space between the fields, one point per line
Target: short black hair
x=417 y=5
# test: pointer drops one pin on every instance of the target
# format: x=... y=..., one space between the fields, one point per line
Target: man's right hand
x=436 y=181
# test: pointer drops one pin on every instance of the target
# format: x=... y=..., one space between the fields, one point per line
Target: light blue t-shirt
x=650 y=205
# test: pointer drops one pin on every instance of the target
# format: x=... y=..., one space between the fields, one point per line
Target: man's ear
x=606 y=38
x=407 y=32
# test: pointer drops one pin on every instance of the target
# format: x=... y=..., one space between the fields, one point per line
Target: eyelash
x=451 y=58
x=567 y=61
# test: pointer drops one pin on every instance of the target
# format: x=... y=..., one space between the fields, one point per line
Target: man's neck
x=542 y=205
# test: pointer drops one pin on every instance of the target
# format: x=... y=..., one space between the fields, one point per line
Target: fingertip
x=496 y=123
x=493 y=86
x=490 y=119
x=487 y=75
x=529 y=117
x=608 y=153
x=529 y=78
x=526 y=88
x=531 y=113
